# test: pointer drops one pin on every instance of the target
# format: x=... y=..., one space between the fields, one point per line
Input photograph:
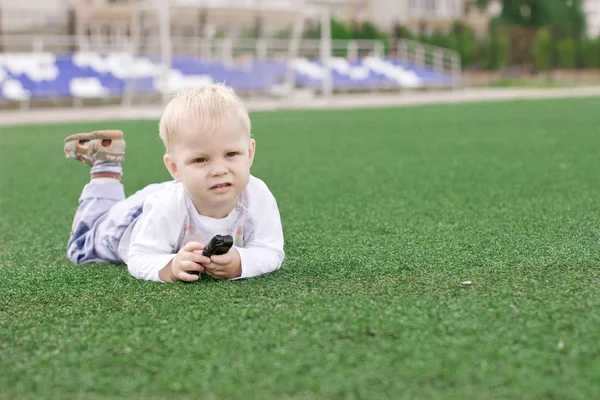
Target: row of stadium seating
x=92 y=75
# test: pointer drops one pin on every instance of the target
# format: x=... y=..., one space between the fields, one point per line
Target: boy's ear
x=252 y=150
x=171 y=166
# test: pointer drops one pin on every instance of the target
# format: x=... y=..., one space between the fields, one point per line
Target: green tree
x=438 y=38
x=312 y=30
x=399 y=31
x=463 y=40
x=564 y=15
x=541 y=49
x=339 y=30
x=366 y=30
x=494 y=50
x=591 y=53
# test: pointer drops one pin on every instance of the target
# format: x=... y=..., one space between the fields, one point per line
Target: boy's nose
x=218 y=170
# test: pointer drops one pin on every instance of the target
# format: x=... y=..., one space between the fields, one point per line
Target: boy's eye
x=200 y=160
x=232 y=154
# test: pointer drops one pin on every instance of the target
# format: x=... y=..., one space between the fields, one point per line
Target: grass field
x=385 y=213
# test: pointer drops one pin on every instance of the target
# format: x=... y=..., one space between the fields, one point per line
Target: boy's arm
x=150 y=251
x=152 y=246
x=265 y=251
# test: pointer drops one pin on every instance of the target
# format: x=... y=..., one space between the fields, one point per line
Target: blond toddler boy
x=161 y=230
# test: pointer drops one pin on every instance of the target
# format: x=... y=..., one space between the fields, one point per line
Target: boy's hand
x=189 y=258
x=224 y=266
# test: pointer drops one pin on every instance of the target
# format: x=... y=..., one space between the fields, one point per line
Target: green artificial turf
x=385 y=213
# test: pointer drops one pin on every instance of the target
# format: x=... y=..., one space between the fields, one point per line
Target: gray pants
x=101 y=219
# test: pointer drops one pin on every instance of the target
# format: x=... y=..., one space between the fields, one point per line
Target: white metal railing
x=228 y=49
x=426 y=55
x=222 y=48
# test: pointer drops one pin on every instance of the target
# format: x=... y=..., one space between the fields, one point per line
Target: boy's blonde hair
x=202 y=109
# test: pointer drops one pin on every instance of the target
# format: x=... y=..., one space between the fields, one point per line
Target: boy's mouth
x=220 y=185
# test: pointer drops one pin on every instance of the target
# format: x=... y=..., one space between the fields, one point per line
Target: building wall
x=386 y=14
x=23 y=14
x=32 y=15
x=592 y=12
x=418 y=15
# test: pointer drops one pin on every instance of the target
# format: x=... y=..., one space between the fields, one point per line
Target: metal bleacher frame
x=294 y=11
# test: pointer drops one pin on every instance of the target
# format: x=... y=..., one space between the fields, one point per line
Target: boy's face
x=213 y=167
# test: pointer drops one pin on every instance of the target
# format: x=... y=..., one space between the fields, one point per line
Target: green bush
x=438 y=38
x=401 y=32
x=366 y=31
x=591 y=53
x=463 y=40
x=386 y=40
x=369 y=31
x=565 y=51
x=491 y=52
x=540 y=49
x=339 y=30
x=284 y=33
x=494 y=51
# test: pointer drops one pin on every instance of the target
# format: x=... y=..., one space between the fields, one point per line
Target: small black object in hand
x=219 y=244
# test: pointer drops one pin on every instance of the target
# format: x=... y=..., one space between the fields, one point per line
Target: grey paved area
x=49 y=115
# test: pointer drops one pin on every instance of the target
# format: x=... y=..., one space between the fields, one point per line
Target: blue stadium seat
x=44 y=75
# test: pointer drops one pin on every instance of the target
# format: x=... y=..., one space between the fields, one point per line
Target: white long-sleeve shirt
x=169 y=220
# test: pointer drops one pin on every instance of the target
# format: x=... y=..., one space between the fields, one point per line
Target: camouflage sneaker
x=106 y=145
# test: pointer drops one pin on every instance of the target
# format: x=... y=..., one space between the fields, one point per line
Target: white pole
x=206 y=47
x=164 y=11
x=38 y=44
x=133 y=50
x=293 y=49
x=456 y=72
x=227 y=51
x=402 y=52
x=261 y=49
x=326 y=51
x=378 y=49
x=352 y=50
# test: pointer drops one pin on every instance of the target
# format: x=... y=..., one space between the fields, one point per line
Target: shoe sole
x=104 y=134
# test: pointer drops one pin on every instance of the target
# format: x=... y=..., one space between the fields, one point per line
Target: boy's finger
x=217 y=274
x=197 y=257
x=210 y=267
x=193 y=246
x=187 y=277
x=209 y=273
x=213 y=269
x=221 y=259
x=188 y=266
